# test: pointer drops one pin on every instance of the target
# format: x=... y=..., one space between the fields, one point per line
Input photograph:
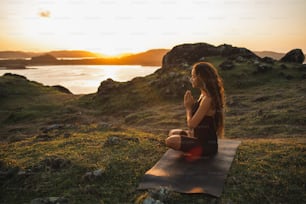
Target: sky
x=128 y=26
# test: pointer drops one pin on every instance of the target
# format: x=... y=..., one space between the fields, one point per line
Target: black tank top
x=205 y=131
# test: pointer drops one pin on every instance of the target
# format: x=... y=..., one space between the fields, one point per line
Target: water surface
x=82 y=79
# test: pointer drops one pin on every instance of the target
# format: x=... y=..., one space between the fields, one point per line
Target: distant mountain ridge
x=56 y=53
x=83 y=53
x=274 y=55
x=152 y=56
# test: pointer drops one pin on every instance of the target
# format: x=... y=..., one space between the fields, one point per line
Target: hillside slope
x=95 y=148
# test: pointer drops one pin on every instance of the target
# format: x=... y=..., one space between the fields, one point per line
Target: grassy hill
x=54 y=143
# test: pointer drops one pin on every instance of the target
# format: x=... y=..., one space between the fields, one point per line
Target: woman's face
x=194 y=79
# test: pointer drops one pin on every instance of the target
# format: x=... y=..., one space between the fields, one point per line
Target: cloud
x=44 y=14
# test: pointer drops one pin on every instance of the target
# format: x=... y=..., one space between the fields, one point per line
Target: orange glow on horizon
x=116 y=27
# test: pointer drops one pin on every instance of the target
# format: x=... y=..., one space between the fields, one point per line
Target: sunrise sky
x=113 y=26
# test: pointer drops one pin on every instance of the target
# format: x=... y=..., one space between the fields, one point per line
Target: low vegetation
x=96 y=148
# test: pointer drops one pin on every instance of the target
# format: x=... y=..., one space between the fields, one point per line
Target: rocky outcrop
x=107 y=86
x=294 y=56
x=268 y=60
x=188 y=54
x=62 y=89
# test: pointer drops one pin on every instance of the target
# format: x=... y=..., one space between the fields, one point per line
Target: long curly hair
x=214 y=86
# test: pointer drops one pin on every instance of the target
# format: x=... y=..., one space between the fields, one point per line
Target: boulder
x=227 y=65
x=294 y=56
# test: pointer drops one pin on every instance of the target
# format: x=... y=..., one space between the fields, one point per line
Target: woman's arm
x=194 y=121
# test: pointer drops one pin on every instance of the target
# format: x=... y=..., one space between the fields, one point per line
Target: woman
x=205 y=117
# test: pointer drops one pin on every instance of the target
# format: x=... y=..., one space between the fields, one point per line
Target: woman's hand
x=188 y=100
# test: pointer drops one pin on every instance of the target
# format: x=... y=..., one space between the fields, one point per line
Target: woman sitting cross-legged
x=205 y=117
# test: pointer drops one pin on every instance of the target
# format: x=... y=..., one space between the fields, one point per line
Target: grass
x=124 y=164
x=266 y=114
x=267 y=170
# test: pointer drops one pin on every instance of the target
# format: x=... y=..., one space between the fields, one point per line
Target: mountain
x=274 y=55
x=150 y=57
x=17 y=54
x=57 y=54
x=73 y=54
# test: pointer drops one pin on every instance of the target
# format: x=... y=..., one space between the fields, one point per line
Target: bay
x=81 y=79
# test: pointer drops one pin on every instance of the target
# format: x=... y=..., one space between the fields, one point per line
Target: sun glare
x=115 y=27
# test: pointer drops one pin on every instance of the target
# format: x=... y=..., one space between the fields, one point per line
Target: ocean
x=81 y=79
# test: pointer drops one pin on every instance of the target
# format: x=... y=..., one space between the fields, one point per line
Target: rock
x=158 y=195
x=133 y=139
x=294 y=56
x=302 y=67
x=261 y=68
x=268 y=60
x=227 y=65
x=150 y=200
x=9 y=172
x=112 y=140
x=283 y=66
x=43 y=137
x=21 y=173
x=191 y=53
x=93 y=175
x=51 y=127
x=259 y=112
x=176 y=89
x=282 y=74
x=62 y=89
x=107 y=86
x=289 y=77
x=56 y=163
x=50 y=200
x=16 y=76
x=2 y=164
x=261 y=98
x=104 y=125
x=67 y=135
x=51 y=164
x=286 y=76
x=115 y=140
x=240 y=59
x=98 y=172
x=12 y=171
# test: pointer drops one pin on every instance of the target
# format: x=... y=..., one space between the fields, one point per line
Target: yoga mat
x=205 y=175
